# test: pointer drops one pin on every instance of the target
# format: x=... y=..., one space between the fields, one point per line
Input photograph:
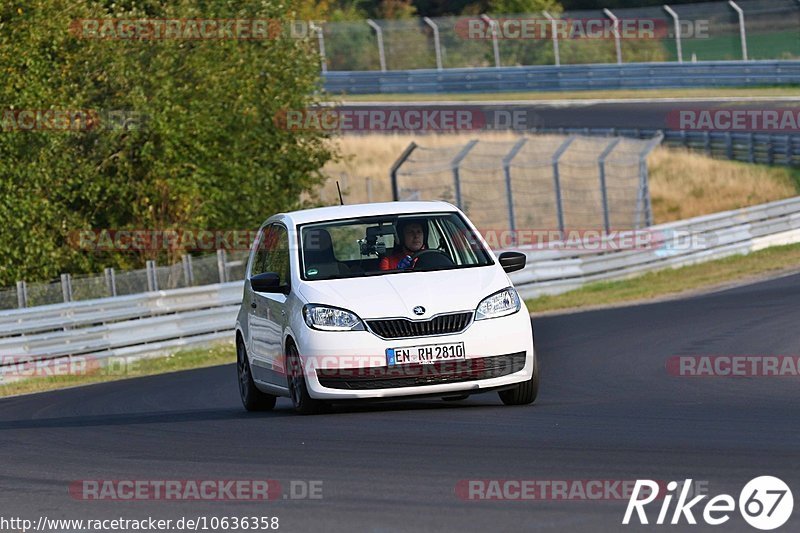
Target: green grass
x=218 y=354
x=743 y=92
x=673 y=281
x=775 y=45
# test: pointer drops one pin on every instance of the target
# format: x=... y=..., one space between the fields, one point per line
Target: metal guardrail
x=718 y=235
x=144 y=323
x=566 y=77
x=750 y=147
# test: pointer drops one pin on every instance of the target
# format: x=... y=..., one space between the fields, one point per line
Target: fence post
x=615 y=20
x=601 y=163
x=396 y=166
x=771 y=149
x=742 y=34
x=369 y=190
x=188 y=272
x=789 y=150
x=554 y=31
x=643 y=198
x=454 y=165
x=321 y=41
x=437 y=48
x=66 y=287
x=509 y=192
x=707 y=142
x=495 y=47
x=677 y=22
x=152 y=279
x=111 y=281
x=557 y=182
x=22 y=294
x=751 y=152
x=221 y=262
x=381 y=51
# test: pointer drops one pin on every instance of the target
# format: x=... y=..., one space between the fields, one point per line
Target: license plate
x=425 y=355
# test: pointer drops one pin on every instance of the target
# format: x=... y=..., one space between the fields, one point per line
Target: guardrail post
x=396 y=166
x=601 y=163
x=454 y=164
x=381 y=51
x=729 y=145
x=111 y=281
x=557 y=182
x=742 y=33
x=771 y=150
x=495 y=46
x=437 y=48
x=321 y=40
x=677 y=26
x=512 y=224
x=707 y=142
x=188 y=272
x=66 y=287
x=152 y=279
x=751 y=149
x=221 y=262
x=22 y=294
x=554 y=31
x=615 y=20
x=790 y=147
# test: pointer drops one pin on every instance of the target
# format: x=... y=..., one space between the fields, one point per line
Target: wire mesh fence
x=553 y=183
x=191 y=271
x=746 y=29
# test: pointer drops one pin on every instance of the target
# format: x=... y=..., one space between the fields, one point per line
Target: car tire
x=252 y=398
x=525 y=393
x=303 y=403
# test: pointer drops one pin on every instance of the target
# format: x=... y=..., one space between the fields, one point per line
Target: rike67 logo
x=765 y=503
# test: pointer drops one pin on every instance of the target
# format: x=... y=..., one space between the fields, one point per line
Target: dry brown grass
x=682 y=184
x=685 y=184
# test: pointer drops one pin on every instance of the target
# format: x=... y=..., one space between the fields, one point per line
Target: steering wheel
x=427 y=251
x=441 y=254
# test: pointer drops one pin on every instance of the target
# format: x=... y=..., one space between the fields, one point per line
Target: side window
x=260 y=259
x=272 y=254
x=278 y=256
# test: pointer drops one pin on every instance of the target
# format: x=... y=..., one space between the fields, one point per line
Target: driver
x=412 y=240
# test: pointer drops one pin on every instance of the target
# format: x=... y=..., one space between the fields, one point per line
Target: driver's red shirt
x=389 y=262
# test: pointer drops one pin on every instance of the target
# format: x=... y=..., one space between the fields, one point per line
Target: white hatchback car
x=384 y=300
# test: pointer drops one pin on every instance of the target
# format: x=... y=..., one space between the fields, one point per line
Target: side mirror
x=267 y=282
x=512 y=261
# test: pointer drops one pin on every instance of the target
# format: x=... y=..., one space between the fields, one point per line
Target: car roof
x=321 y=214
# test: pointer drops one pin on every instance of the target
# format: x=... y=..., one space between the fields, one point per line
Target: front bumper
x=352 y=365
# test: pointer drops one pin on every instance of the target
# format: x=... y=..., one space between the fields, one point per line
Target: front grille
x=397 y=328
x=414 y=375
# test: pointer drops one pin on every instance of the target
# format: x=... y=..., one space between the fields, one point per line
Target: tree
x=208 y=152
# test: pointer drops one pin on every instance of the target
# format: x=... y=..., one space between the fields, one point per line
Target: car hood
x=396 y=295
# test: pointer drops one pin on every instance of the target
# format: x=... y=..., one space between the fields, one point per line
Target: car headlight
x=331 y=318
x=505 y=302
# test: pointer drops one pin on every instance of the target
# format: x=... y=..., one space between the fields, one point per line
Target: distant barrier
x=566 y=77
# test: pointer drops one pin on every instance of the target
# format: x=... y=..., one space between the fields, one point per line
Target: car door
x=267 y=311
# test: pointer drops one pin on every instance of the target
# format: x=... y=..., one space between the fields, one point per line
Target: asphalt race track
x=607 y=410
x=644 y=113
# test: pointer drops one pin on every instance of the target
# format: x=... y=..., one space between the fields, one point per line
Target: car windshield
x=388 y=244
